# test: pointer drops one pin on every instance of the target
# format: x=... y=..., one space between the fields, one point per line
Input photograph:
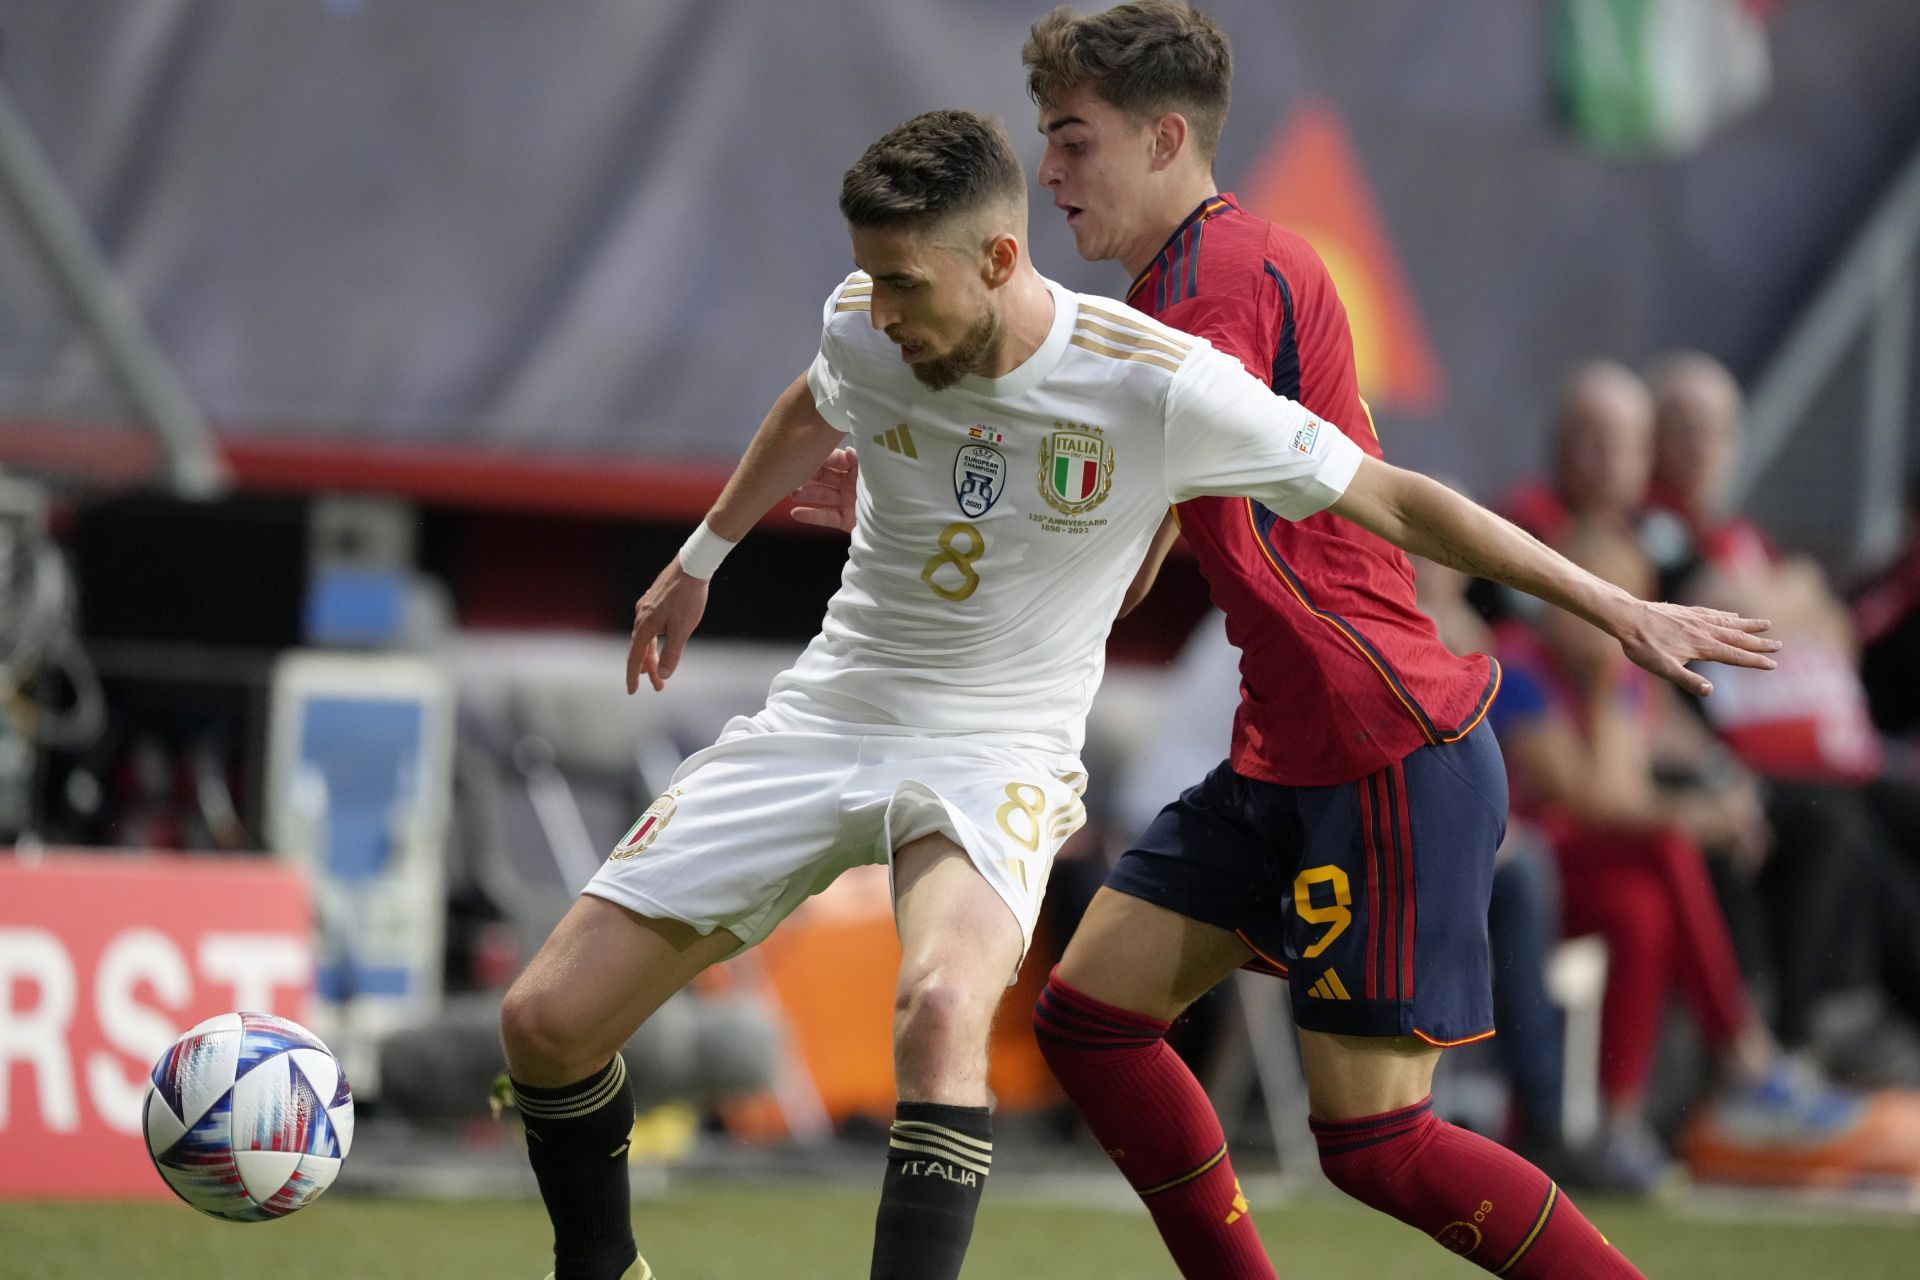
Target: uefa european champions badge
x=979 y=478
x=648 y=829
x=1076 y=468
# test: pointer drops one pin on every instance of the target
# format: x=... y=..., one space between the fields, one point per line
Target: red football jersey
x=1340 y=672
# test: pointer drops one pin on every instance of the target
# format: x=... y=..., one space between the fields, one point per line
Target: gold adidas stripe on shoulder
x=1139 y=325
x=1127 y=338
x=1146 y=357
x=856 y=293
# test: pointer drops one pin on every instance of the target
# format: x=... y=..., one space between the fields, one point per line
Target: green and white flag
x=1658 y=77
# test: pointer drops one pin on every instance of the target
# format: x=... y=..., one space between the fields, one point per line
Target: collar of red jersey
x=1212 y=207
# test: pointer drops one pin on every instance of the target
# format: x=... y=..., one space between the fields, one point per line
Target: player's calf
x=958 y=945
x=1471 y=1195
x=1152 y=1117
x=602 y=972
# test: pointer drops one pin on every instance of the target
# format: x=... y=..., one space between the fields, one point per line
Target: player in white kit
x=1020 y=445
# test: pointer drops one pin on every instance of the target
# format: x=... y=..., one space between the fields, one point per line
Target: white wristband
x=702 y=553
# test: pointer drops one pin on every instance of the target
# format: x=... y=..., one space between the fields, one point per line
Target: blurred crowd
x=1751 y=854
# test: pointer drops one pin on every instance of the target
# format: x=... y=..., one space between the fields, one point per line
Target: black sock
x=937 y=1164
x=577 y=1140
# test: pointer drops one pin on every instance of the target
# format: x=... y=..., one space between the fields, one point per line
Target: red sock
x=1473 y=1196
x=1157 y=1124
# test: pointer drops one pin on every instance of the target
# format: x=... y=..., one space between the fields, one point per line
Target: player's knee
x=536 y=1035
x=936 y=1007
x=1378 y=1182
x=1364 y=1183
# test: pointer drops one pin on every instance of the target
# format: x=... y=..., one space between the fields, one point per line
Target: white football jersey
x=999 y=521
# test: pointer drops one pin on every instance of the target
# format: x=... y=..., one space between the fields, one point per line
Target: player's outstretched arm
x=786 y=450
x=826 y=499
x=1424 y=517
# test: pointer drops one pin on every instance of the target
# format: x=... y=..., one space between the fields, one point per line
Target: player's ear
x=1002 y=257
x=1171 y=135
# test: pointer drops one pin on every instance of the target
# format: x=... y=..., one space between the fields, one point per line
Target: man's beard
x=976 y=346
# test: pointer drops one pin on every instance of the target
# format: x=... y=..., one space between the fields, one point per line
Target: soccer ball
x=248 y=1117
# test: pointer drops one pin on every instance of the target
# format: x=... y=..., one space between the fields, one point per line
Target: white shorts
x=770 y=815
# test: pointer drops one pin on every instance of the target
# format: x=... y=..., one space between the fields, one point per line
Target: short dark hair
x=1147 y=57
x=935 y=165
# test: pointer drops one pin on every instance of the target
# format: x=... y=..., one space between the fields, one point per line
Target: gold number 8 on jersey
x=1028 y=800
x=950 y=554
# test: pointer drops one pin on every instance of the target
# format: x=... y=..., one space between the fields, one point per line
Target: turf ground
x=712 y=1232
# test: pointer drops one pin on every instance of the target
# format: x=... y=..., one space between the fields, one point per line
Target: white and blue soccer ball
x=248 y=1117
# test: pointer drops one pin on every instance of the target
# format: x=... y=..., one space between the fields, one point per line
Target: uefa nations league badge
x=979 y=478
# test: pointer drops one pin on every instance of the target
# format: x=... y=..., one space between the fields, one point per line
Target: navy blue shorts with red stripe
x=1370 y=897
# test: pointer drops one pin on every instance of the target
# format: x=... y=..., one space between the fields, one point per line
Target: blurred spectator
x=1847 y=828
x=1602 y=455
x=1886 y=615
x=1578 y=723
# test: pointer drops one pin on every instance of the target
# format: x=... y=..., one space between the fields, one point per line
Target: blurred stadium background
x=361 y=360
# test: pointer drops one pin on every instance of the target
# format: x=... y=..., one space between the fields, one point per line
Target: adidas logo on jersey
x=1329 y=987
x=898 y=440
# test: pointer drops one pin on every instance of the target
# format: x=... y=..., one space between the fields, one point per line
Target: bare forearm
x=1425 y=518
x=789 y=447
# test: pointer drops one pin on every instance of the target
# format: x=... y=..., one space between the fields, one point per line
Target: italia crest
x=644 y=832
x=979 y=478
x=1076 y=468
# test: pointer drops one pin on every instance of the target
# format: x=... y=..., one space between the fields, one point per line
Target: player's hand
x=827 y=499
x=1663 y=638
x=662 y=620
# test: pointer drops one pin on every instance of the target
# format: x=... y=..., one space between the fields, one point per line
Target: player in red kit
x=1348 y=841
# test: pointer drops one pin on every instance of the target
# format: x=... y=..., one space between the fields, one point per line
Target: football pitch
x=721 y=1232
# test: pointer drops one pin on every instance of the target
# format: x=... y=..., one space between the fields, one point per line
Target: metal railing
x=60 y=239
x=1853 y=346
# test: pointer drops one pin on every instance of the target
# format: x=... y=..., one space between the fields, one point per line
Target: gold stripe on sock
x=1546 y=1210
x=1188 y=1176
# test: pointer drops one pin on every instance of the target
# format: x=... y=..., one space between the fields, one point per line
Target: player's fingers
x=638 y=651
x=824 y=517
x=1690 y=682
x=676 y=640
x=641 y=654
x=1734 y=656
x=1742 y=639
x=813 y=494
x=1665 y=666
x=650 y=663
x=1739 y=623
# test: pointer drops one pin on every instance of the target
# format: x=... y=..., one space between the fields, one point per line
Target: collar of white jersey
x=1035 y=368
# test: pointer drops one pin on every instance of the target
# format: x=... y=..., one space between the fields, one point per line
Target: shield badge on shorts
x=648 y=828
x=979 y=478
x=1076 y=468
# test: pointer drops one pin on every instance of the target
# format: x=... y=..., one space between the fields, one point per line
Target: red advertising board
x=104 y=960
